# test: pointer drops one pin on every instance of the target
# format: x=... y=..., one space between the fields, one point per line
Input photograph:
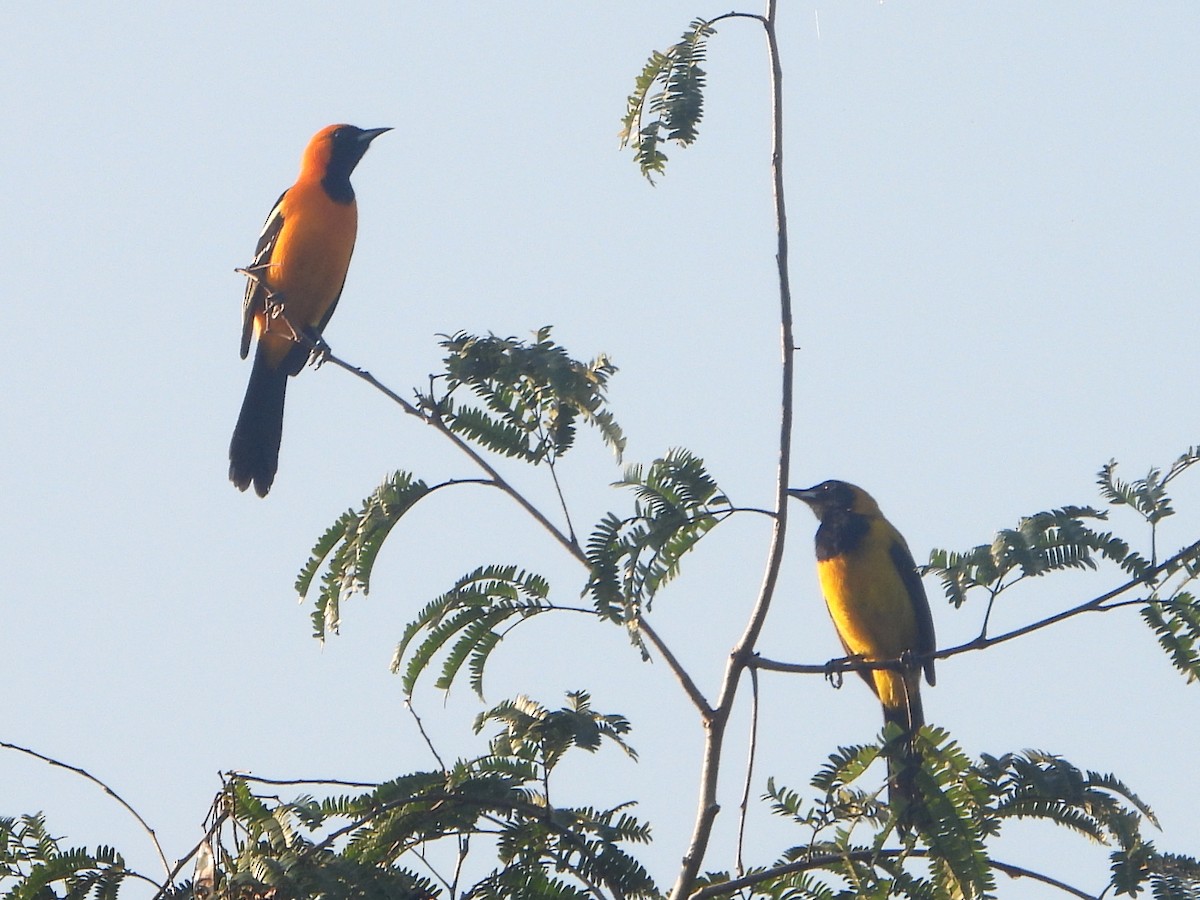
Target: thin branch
x=464 y=847
x=190 y=855
x=562 y=502
x=1020 y=872
x=685 y=680
x=763 y=20
x=424 y=734
x=828 y=859
x=433 y=871
x=96 y=781
x=1101 y=604
x=751 y=753
x=298 y=782
x=743 y=650
x=752 y=509
x=993 y=593
x=569 y=542
x=324 y=354
x=839 y=665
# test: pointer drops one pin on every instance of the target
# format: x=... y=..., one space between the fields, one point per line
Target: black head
x=343 y=146
x=833 y=497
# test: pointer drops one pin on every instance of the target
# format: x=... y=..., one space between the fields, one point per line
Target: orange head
x=333 y=153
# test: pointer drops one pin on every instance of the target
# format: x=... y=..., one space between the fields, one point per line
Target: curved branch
x=569 y=542
x=104 y=787
x=743 y=650
x=323 y=354
x=685 y=680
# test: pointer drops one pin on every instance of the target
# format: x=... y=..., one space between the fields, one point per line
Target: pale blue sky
x=994 y=213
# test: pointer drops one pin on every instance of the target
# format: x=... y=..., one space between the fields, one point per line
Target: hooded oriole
x=878 y=605
x=299 y=268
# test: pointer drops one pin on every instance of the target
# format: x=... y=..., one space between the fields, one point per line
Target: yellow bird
x=878 y=605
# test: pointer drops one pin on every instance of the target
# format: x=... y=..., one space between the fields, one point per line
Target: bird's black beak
x=812 y=497
x=369 y=134
x=808 y=495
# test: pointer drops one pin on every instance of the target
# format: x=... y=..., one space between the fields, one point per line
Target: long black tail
x=905 y=760
x=254 y=449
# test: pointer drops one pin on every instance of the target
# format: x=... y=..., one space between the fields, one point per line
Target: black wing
x=256 y=294
x=926 y=642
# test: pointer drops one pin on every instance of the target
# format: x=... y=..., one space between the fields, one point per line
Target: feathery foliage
x=366 y=845
x=533 y=394
x=348 y=548
x=1042 y=543
x=379 y=843
x=33 y=865
x=1176 y=624
x=530 y=731
x=676 y=107
x=1061 y=539
x=1147 y=496
x=632 y=558
x=470 y=616
x=964 y=805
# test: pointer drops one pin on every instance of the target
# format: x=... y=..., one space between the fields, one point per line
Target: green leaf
x=533 y=394
x=678 y=105
x=532 y=732
x=34 y=866
x=349 y=547
x=1147 y=496
x=631 y=559
x=1045 y=542
x=1176 y=624
x=469 y=616
x=951 y=792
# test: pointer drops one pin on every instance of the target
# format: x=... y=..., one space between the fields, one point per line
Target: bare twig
x=822 y=861
x=299 y=782
x=190 y=855
x=751 y=753
x=689 y=686
x=424 y=734
x=104 y=787
x=743 y=650
x=562 y=501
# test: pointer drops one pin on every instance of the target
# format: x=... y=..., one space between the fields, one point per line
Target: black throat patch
x=841 y=532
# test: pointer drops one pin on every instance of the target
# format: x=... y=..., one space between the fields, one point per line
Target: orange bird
x=299 y=268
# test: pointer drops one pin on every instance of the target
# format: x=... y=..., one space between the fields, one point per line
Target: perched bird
x=296 y=278
x=879 y=607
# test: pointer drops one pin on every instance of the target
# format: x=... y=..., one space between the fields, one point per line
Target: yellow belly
x=872 y=611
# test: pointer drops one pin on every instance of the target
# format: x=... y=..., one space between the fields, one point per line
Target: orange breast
x=308 y=264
